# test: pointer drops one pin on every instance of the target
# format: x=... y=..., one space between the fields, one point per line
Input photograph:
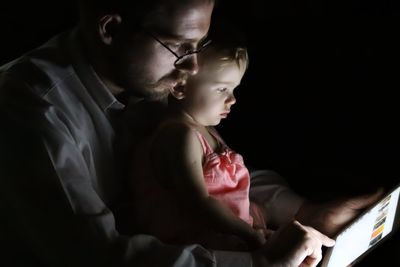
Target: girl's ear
x=108 y=27
x=179 y=92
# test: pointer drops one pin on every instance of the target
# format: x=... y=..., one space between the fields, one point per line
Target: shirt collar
x=92 y=82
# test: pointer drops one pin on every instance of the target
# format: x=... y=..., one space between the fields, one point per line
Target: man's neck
x=91 y=50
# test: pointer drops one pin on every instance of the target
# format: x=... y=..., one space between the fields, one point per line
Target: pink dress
x=227 y=178
x=160 y=213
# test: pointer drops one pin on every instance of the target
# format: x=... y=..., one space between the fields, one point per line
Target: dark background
x=319 y=102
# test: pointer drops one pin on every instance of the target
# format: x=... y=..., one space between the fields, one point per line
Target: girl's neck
x=189 y=119
x=178 y=112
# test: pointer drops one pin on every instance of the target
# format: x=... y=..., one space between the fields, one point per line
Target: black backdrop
x=319 y=102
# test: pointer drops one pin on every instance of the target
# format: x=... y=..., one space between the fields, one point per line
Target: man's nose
x=188 y=64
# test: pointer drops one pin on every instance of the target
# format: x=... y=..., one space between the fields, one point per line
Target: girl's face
x=209 y=94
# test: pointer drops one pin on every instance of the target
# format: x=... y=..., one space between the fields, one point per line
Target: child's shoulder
x=176 y=133
x=178 y=136
x=176 y=127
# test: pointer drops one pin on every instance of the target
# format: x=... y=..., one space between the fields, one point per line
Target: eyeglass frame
x=186 y=54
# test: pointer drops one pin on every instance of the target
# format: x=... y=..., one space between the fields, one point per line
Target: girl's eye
x=221 y=90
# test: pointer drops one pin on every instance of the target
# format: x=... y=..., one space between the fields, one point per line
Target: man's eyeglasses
x=187 y=52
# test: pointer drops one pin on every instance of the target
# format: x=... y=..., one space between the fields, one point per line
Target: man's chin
x=151 y=94
x=157 y=95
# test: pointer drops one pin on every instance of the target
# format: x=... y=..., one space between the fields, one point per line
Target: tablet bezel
x=395 y=228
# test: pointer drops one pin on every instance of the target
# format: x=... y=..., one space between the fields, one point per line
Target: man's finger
x=310 y=261
x=314 y=258
x=325 y=240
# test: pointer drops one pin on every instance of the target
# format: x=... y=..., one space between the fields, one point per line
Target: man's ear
x=108 y=27
x=179 y=91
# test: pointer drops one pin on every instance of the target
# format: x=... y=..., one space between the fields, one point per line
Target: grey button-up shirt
x=57 y=169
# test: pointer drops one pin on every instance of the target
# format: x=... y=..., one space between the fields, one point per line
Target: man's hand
x=330 y=217
x=292 y=245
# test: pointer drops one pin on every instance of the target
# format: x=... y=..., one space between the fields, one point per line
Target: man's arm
x=331 y=216
x=281 y=204
x=269 y=190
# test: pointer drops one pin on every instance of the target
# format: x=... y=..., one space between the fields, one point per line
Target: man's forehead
x=184 y=21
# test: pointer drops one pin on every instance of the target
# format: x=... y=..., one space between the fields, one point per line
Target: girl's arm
x=177 y=159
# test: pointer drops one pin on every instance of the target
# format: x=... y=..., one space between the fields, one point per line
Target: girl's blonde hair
x=228 y=45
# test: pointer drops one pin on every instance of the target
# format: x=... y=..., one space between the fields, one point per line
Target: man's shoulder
x=38 y=70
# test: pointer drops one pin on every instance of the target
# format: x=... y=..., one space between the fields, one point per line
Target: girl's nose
x=231 y=99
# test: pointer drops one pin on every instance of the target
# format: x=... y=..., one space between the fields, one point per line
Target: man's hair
x=135 y=10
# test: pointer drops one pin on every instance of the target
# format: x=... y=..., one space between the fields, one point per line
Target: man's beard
x=161 y=89
x=154 y=92
x=147 y=88
x=160 y=95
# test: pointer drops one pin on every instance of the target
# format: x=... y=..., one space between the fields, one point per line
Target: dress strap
x=215 y=134
x=205 y=145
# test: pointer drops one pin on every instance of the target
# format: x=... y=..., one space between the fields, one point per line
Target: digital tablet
x=366 y=232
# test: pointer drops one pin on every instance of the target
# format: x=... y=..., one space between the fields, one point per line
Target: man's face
x=143 y=66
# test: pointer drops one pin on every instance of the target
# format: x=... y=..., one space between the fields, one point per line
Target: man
x=57 y=107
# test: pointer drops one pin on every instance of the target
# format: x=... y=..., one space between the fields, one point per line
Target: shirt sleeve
x=271 y=191
x=54 y=216
x=233 y=259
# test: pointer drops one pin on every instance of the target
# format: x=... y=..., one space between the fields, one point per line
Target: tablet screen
x=365 y=233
